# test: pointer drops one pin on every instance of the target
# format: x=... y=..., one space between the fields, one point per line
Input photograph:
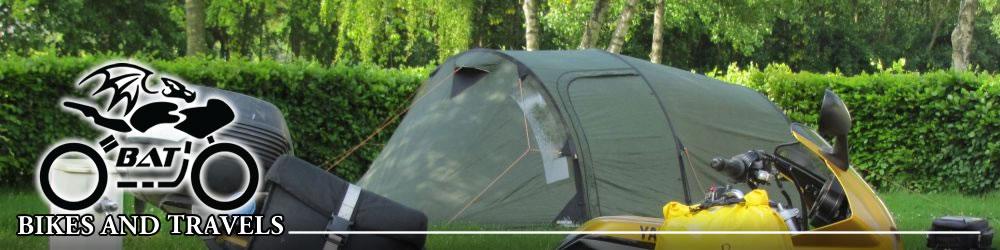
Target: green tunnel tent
x=515 y=137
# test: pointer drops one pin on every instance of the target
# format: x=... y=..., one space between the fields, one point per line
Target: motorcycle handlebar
x=741 y=166
x=735 y=168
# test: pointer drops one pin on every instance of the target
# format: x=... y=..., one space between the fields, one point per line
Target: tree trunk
x=530 y=26
x=961 y=37
x=194 y=18
x=593 y=25
x=655 y=54
x=624 y=21
x=933 y=13
x=934 y=35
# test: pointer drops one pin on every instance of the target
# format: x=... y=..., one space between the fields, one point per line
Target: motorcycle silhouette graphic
x=125 y=83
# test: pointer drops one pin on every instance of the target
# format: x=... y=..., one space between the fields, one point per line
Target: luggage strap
x=341 y=221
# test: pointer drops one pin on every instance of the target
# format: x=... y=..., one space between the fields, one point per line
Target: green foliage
x=819 y=36
x=743 y=24
x=829 y=35
x=563 y=22
x=30 y=97
x=75 y=27
x=328 y=109
x=245 y=28
x=385 y=33
x=497 y=24
x=724 y=29
x=912 y=131
x=399 y=32
x=991 y=7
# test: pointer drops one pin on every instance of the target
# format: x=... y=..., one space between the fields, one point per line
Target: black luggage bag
x=312 y=199
x=983 y=240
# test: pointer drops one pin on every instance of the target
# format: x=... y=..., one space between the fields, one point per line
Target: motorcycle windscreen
x=629 y=155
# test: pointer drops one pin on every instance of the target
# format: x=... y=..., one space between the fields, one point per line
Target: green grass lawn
x=912 y=212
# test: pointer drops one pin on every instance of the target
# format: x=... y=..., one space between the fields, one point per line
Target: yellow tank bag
x=753 y=214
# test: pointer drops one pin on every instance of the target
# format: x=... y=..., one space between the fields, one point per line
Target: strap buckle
x=341 y=221
x=333 y=241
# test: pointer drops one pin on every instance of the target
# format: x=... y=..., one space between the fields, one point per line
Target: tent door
x=628 y=155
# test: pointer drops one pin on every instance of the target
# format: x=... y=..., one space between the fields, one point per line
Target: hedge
x=936 y=131
x=328 y=108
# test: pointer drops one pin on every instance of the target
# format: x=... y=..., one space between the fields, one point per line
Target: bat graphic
x=125 y=81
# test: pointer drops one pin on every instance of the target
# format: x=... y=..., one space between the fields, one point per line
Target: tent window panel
x=465 y=77
x=548 y=132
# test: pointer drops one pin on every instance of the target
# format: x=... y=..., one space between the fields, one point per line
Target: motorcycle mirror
x=835 y=121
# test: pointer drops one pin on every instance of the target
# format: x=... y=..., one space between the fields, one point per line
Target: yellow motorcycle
x=833 y=197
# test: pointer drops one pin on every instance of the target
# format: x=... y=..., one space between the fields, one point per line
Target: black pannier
x=312 y=199
x=984 y=240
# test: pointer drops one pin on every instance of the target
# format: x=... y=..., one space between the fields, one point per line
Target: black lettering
x=169 y=158
x=126 y=156
x=651 y=236
x=144 y=162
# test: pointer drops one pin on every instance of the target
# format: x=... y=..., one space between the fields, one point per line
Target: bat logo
x=135 y=100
